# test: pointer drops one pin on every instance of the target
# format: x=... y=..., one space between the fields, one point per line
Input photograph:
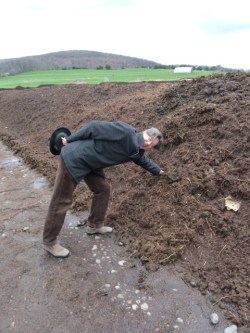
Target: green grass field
x=93 y=76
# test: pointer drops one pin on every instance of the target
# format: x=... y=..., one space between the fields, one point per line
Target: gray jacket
x=101 y=144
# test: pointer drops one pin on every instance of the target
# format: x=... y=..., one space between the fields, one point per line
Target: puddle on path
x=98 y=288
x=39 y=183
x=9 y=161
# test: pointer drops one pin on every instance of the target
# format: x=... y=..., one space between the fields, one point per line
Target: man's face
x=149 y=144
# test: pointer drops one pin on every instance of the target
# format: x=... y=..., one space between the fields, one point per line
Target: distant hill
x=71 y=60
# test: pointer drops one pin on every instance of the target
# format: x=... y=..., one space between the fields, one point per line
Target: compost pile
x=196 y=215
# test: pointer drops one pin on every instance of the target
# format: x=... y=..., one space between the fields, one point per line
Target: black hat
x=55 y=142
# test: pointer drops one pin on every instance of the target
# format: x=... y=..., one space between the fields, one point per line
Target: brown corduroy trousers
x=61 y=201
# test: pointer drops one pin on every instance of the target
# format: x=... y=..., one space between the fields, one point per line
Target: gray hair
x=154 y=133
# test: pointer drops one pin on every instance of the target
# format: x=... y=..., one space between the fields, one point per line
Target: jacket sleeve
x=143 y=161
x=86 y=132
x=103 y=130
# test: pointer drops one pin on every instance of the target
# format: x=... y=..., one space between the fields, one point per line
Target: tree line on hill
x=71 y=60
x=83 y=60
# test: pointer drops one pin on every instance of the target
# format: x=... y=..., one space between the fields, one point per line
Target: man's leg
x=101 y=194
x=60 y=202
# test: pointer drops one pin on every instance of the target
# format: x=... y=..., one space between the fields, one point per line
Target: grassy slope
x=37 y=78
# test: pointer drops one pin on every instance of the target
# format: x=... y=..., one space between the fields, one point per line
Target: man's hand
x=161 y=172
x=64 y=140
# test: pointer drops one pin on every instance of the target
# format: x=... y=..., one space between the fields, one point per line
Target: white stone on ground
x=144 y=306
x=214 y=318
x=231 y=329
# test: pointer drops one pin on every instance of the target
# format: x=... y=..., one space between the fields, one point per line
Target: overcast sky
x=196 y=32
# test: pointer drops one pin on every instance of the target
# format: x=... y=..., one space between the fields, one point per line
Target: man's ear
x=147 y=142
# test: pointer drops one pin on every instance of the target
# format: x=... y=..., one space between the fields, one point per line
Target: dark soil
x=179 y=217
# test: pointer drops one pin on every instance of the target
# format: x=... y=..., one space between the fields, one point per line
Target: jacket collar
x=140 y=139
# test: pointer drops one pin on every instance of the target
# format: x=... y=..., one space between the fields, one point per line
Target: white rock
x=25 y=228
x=94 y=248
x=107 y=285
x=120 y=296
x=121 y=262
x=144 y=306
x=214 y=318
x=98 y=261
x=4 y=235
x=179 y=320
x=134 y=306
x=117 y=287
x=231 y=329
x=113 y=271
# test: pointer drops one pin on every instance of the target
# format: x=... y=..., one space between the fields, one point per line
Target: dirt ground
x=180 y=217
x=99 y=288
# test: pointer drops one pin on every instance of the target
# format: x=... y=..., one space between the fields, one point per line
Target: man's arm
x=85 y=132
x=102 y=130
x=147 y=164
